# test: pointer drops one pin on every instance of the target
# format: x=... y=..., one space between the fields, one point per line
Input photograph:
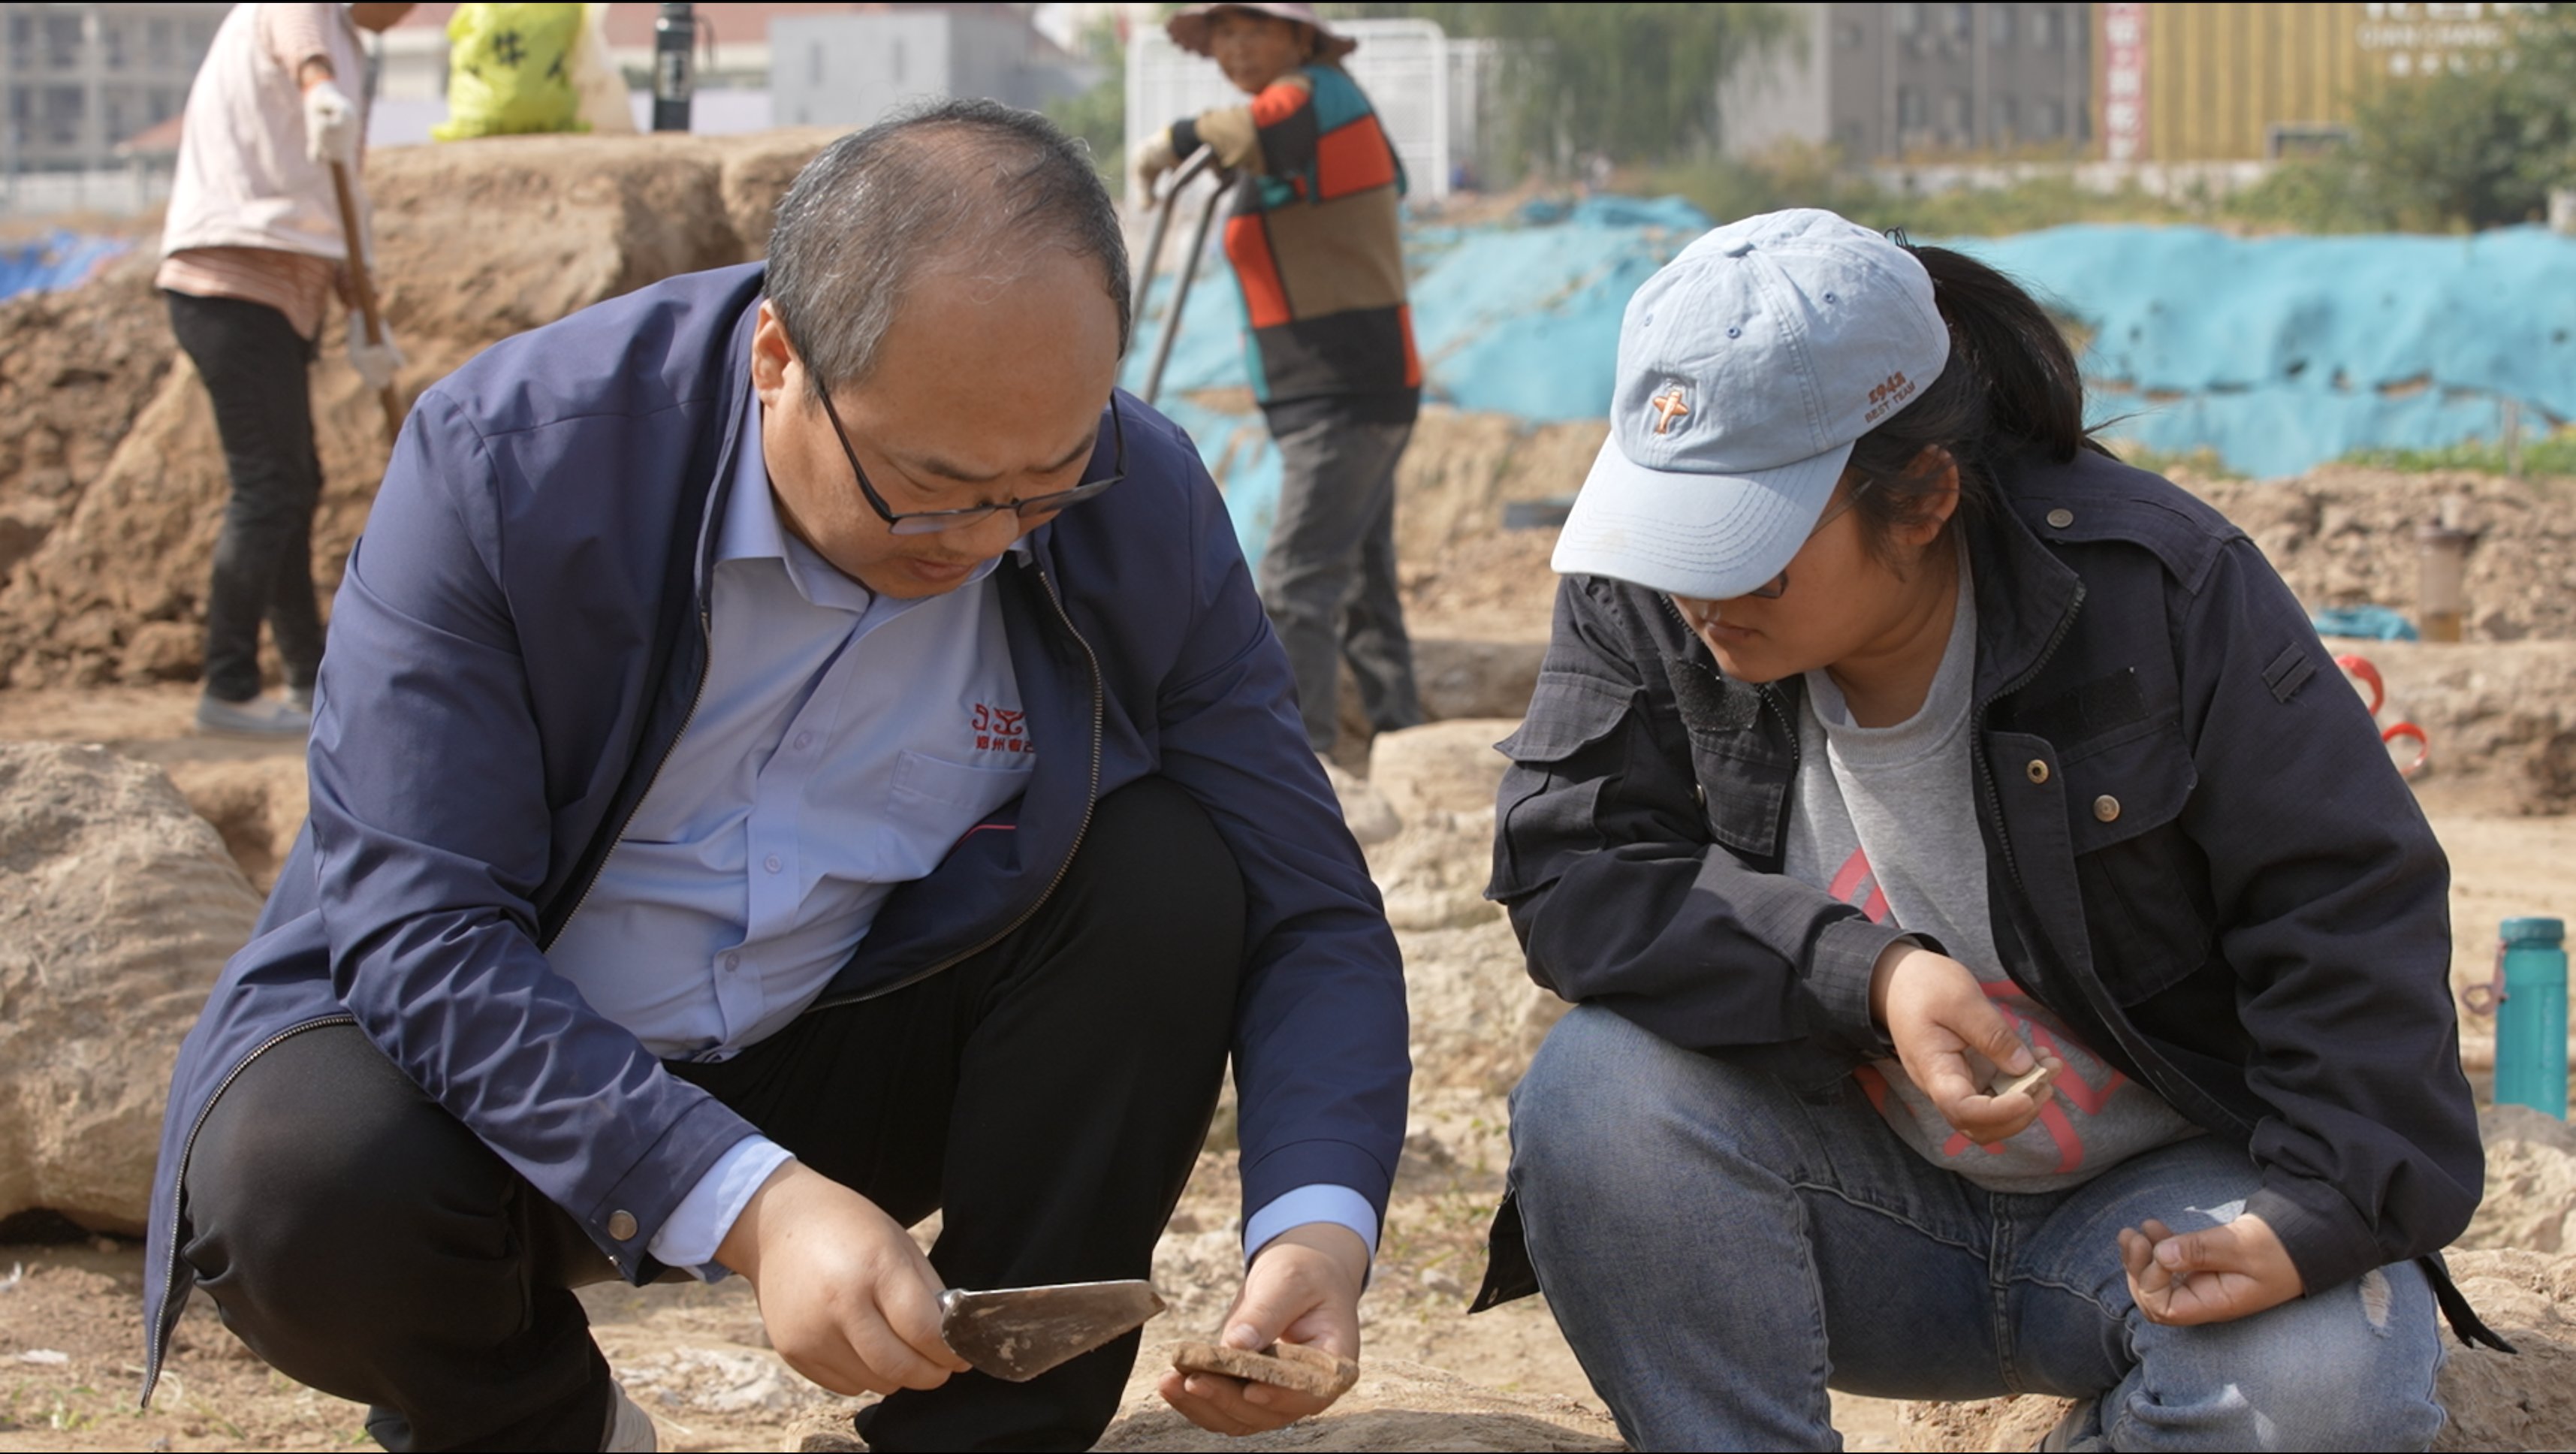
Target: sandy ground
x=70 y=1339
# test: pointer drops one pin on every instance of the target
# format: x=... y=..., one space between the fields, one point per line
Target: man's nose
x=990 y=536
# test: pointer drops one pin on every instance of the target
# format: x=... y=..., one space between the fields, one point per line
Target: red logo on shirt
x=997 y=730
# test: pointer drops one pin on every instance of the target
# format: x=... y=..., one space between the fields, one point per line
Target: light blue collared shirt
x=800 y=794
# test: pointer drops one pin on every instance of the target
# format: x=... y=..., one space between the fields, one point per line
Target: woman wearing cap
x=1895 y=741
x=1312 y=236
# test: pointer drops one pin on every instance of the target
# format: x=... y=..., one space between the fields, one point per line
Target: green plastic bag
x=511 y=69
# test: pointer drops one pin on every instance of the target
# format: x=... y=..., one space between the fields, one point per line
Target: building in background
x=849 y=70
x=2240 y=82
x=1884 y=83
x=76 y=81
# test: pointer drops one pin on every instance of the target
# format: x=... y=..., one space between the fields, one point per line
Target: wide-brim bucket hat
x=1189 y=28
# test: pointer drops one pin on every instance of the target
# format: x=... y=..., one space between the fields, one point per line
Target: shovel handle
x=365 y=289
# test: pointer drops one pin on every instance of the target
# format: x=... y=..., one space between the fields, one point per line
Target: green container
x=2531 y=1022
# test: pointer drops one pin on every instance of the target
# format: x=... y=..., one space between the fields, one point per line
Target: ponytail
x=2011 y=383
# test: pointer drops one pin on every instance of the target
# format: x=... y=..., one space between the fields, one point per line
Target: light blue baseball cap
x=1748 y=367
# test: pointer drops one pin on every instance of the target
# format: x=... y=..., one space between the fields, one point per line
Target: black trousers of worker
x=254 y=366
x=1050 y=1095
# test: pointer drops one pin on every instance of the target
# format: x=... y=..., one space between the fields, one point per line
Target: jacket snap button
x=1700 y=791
x=2106 y=807
x=2061 y=518
x=2038 y=770
x=621 y=1225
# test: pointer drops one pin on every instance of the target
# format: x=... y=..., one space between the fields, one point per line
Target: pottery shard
x=1284 y=1365
x=118 y=907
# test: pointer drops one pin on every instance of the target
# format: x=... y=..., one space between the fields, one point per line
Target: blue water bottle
x=2531 y=1023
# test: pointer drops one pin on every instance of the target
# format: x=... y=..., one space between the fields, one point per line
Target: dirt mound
x=2531 y=1182
x=75 y=368
x=2526 y=1400
x=117 y=484
x=2345 y=535
x=2501 y=717
x=258 y=805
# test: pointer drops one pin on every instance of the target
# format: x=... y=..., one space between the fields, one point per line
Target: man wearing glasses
x=798 y=754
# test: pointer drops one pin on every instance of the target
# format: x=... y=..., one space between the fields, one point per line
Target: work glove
x=1155 y=157
x=375 y=362
x=330 y=125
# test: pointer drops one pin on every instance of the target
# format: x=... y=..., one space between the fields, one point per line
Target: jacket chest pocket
x=1742 y=796
x=1740 y=778
x=2144 y=883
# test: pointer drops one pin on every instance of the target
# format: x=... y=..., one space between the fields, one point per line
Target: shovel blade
x=1017 y=1333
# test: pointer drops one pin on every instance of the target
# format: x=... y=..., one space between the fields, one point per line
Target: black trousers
x=254 y=366
x=1050 y=1095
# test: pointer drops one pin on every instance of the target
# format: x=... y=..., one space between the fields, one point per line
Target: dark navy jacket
x=517 y=647
x=2199 y=857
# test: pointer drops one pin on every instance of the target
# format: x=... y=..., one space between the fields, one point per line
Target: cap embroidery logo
x=1895 y=389
x=998 y=730
x=1668 y=406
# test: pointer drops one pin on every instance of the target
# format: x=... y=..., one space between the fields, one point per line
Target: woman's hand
x=1940 y=1017
x=2214 y=1275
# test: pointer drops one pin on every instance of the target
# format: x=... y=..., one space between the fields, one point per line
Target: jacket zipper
x=1090 y=803
x=169 y=1321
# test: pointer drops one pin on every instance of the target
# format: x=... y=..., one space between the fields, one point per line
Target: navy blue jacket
x=2199 y=857
x=516 y=648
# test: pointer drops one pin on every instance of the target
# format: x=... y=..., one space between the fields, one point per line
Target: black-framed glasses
x=1779 y=584
x=932 y=522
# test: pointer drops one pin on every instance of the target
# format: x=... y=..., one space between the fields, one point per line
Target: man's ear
x=775 y=368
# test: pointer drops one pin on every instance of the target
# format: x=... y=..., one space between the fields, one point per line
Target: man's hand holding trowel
x=846 y=1296
x=850 y=1302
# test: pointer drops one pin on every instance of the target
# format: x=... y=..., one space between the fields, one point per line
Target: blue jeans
x=1720 y=1250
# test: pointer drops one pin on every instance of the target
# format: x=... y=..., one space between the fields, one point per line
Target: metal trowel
x=1017 y=1333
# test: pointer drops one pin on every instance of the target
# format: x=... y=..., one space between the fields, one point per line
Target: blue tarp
x=61 y=260
x=2281 y=353
x=1520 y=318
x=2278 y=354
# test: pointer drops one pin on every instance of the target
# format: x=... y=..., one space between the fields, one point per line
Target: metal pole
x=1153 y=259
x=674 y=80
x=1181 y=295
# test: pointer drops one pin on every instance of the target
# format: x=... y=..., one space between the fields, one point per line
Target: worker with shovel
x=1312 y=235
x=796 y=758
x=262 y=211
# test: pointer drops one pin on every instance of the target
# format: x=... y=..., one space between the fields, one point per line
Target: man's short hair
x=964 y=185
